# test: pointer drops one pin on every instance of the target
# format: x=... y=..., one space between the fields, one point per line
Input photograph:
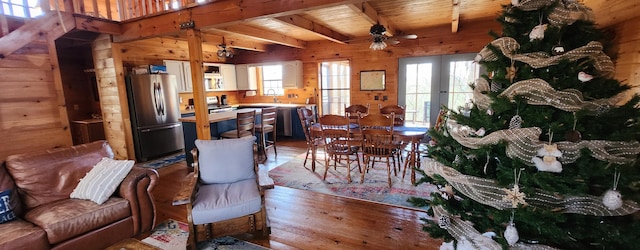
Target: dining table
x=411 y=136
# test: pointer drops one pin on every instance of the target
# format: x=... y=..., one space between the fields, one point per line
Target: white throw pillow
x=226 y=161
x=100 y=183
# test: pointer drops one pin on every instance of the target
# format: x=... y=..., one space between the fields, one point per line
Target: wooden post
x=57 y=83
x=194 y=41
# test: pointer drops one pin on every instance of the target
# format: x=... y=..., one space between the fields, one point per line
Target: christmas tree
x=546 y=155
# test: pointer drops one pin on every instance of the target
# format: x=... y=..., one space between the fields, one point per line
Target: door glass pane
x=461 y=75
x=335 y=87
x=418 y=94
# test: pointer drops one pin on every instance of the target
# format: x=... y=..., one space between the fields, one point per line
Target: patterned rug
x=375 y=187
x=163 y=162
x=173 y=235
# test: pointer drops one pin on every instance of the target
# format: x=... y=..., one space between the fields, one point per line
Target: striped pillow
x=100 y=183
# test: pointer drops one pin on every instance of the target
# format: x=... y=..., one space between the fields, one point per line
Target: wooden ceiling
x=255 y=25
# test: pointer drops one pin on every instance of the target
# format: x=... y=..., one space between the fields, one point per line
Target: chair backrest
x=397 y=110
x=377 y=134
x=268 y=116
x=306 y=120
x=245 y=121
x=336 y=134
x=214 y=164
x=356 y=111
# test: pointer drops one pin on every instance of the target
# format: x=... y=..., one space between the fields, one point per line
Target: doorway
x=428 y=83
x=335 y=87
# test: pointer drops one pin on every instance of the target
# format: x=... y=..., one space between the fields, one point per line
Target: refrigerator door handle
x=160 y=128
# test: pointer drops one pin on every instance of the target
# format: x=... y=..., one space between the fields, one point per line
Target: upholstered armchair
x=223 y=194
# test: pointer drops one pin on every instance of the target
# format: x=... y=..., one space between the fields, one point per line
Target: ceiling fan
x=378 y=37
x=223 y=52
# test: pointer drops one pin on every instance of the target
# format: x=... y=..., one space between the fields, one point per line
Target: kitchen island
x=218 y=123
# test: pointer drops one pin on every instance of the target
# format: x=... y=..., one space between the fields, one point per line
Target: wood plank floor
x=307 y=220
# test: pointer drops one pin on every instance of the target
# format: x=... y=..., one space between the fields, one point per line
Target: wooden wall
x=32 y=112
x=627 y=62
x=113 y=96
x=471 y=38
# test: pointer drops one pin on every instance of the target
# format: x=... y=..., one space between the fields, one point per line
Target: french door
x=426 y=84
x=335 y=86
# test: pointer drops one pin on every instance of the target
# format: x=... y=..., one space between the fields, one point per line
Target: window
x=335 y=86
x=428 y=83
x=272 y=80
x=21 y=8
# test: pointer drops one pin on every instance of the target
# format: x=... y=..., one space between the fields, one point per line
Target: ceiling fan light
x=378 y=45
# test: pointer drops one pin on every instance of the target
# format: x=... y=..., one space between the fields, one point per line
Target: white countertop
x=222 y=116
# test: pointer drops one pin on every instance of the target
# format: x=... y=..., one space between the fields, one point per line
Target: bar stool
x=245 y=125
x=267 y=125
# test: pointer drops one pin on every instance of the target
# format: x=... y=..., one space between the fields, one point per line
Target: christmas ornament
x=573 y=135
x=511 y=234
x=444 y=221
x=447 y=246
x=480 y=132
x=465 y=244
x=446 y=192
x=612 y=199
x=549 y=161
x=489 y=111
x=557 y=50
x=584 y=77
x=538 y=32
x=490 y=74
x=514 y=195
x=516 y=122
x=495 y=86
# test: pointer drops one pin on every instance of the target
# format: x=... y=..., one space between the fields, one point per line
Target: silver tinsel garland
x=488 y=192
x=508 y=46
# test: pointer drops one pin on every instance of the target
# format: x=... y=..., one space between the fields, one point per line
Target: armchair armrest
x=264 y=180
x=137 y=188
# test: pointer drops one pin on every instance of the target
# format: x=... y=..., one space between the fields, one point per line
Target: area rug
x=375 y=187
x=164 y=161
x=173 y=235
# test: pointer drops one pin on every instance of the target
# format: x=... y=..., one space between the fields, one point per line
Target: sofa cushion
x=100 y=183
x=6 y=210
x=6 y=183
x=66 y=219
x=20 y=234
x=51 y=175
x=215 y=158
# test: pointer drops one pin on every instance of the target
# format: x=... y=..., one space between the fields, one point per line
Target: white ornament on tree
x=538 y=32
x=549 y=161
x=516 y=122
x=584 y=77
x=511 y=234
x=612 y=199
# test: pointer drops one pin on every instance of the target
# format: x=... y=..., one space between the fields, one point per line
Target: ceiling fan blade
x=408 y=36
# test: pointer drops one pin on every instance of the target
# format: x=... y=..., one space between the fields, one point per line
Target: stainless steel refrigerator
x=153 y=105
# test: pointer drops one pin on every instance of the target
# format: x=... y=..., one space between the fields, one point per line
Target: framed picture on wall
x=372 y=80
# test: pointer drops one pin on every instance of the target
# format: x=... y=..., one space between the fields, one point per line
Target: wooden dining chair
x=336 y=134
x=356 y=111
x=267 y=125
x=397 y=110
x=307 y=120
x=377 y=142
x=245 y=125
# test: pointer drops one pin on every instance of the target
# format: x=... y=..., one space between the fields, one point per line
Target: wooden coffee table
x=131 y=244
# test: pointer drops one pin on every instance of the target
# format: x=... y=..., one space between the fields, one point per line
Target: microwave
x=213 y=82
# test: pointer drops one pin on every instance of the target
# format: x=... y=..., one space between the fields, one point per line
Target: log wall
x=31 y=114
x=627 y=62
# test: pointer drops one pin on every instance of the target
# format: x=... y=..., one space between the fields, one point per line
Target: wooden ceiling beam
x=455 y=16
x=218 y=14
x=371 y=15
x=97 y=25
x=262 y=35
x=51 y=25
x=318 y=29
x=231 y=42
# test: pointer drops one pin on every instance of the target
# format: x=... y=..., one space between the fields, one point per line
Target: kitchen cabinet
x=228 y=75
x=292 y=75
x=244 y=79
x=182 y=71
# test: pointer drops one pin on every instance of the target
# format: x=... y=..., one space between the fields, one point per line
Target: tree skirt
x=375 y=187
x=172 y=234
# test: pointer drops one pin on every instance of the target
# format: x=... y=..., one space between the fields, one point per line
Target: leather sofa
x=39 y=184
